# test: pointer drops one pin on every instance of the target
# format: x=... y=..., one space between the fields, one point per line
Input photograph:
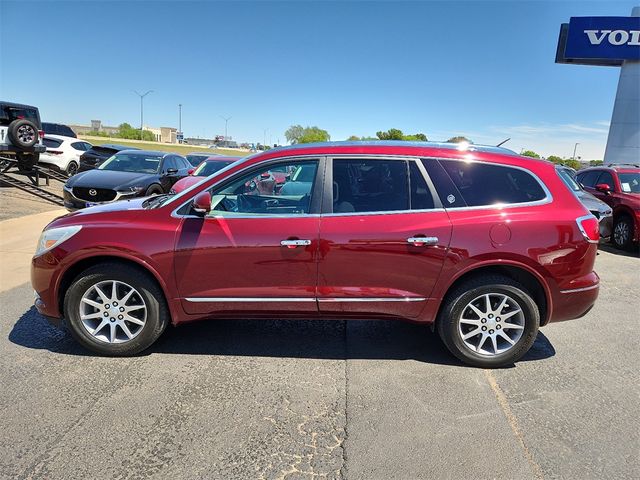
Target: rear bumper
x=575 y=302
x=13 y=149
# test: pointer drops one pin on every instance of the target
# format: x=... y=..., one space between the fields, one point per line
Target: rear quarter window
x=483 y=184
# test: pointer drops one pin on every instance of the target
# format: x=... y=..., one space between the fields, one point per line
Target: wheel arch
x=529 y=279
x=82 y=264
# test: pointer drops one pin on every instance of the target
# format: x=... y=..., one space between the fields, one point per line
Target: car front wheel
x=489 y=321
x=115 y=309
x=623 y=232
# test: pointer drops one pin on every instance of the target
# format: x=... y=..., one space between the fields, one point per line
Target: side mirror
x=603 y=187
x=202 y=203
x=171 y=171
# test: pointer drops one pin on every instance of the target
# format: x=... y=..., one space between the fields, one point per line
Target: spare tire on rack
x=23 y=133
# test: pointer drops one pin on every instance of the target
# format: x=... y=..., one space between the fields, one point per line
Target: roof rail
x=637 y=165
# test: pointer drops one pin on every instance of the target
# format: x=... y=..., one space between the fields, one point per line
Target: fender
x=444 y=284
x=121 y=255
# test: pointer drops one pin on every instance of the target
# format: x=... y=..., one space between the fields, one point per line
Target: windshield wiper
x=155 y=201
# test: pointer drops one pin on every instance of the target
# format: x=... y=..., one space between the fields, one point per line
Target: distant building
x=96 y=126
x=164 y=134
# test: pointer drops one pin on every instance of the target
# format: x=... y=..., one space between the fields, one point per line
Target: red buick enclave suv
x=480 y=243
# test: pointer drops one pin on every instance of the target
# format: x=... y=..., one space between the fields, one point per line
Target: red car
x=207 y=167
x=619 y=187
x=481 y=244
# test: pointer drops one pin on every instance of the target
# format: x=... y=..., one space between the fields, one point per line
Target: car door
x=256 y=251
x=383 y=237
x=168 y=172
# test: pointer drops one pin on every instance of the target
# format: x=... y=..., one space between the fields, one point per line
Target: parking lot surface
x=324 y=399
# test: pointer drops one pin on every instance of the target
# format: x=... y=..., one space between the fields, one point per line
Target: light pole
x=180 y=122
x=264 y=140
x=574 y=150
x=142 y=108
x=226 y=120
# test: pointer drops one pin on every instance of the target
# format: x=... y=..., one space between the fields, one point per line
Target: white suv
x=63 y=153
x=21 y=133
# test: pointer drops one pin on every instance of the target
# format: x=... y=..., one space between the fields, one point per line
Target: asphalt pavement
x=324 y=399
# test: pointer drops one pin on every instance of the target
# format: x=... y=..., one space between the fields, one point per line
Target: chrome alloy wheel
x=621 y=233
x=113 y=312
x=26 y=133
x=491 y=324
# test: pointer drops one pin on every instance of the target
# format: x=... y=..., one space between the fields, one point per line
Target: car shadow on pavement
x=320 y=339
x=607 y=247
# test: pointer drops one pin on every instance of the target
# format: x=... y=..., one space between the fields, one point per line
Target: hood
x=106 y=212
x=591 y=202
x=110 y=179
x=185 y=183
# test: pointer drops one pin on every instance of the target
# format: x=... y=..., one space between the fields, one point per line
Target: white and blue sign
x=599 y=40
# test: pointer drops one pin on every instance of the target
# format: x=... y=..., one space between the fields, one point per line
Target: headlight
x=54 y=237
x=137 y=189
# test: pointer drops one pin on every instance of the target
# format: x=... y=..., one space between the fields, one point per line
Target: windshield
x=132 y=162
x=207 y=168
x=195 y=159
x=630 y=182
x=568 y=179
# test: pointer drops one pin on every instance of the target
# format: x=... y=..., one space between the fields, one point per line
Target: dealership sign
x=606 y=41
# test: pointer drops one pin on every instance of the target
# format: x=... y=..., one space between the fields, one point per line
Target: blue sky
x=481 y=69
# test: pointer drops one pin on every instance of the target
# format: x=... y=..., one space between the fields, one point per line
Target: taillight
x=41 y=134
x=55 y=152
x=589 y=227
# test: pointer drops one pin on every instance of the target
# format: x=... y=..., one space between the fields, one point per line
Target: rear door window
x=588 y=179
x=421 y=198
x=446 y=189
x=370 y=185
x=484 y=184
x=80 y=146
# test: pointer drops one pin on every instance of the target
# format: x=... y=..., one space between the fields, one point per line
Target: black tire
x=26 y=161
x=23 y=133
x=154 y=190
x=72 y=168
x=622 y=236
x=157 y=317
x=457 y=300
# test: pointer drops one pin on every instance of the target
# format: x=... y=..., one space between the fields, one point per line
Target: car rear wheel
x=623 y=232
x=489 y=321
x=115 y=309
x=72 y=169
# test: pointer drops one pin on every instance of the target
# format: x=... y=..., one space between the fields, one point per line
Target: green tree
x=418 y=137
x=391 y=134
x=571 y=163
x=555 y=159
x=294 y=133
x=353 y=138
x=314 y=134
x=530 y=153
x=595 y=163
x=459 y=139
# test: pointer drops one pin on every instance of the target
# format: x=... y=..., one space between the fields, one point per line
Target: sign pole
x=623 y=142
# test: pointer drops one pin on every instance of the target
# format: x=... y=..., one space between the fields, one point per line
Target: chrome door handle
x=295 y=243
x=422 y=241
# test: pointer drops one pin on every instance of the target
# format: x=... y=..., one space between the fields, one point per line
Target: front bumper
x=606 y=226
x=73 y=203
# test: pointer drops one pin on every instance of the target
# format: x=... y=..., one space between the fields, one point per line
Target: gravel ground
x=17 y=203
x=324 y=399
